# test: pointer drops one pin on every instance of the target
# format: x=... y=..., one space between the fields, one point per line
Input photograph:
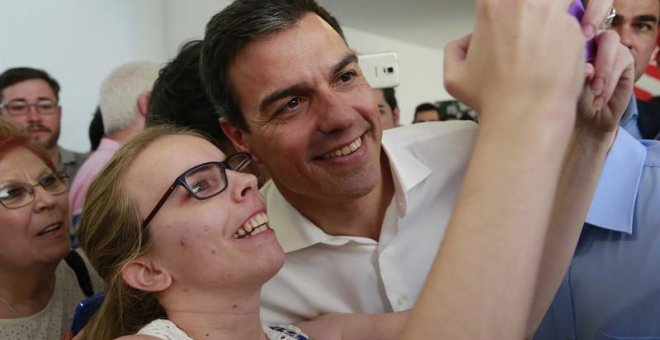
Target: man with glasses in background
x=30 y=99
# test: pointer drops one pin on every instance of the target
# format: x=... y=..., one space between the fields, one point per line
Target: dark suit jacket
x=649 y=118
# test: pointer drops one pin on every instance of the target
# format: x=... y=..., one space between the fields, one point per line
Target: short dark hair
x=178 y=97
x=428 y=107
x=18 y=74
x=96 y=130
x=234 y=27
x=390 y=98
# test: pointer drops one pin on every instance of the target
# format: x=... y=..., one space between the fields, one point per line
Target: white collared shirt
x=340 y=274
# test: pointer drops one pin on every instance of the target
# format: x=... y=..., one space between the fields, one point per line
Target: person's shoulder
x=429 y=131
x=432 y=128
x=162 y=328
x=267 y=188
x=78 y=156
x=431 y=138
x=70 y=161
x=137 y=337
x=70 y=269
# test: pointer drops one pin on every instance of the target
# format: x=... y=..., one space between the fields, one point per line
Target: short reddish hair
x=12 y=137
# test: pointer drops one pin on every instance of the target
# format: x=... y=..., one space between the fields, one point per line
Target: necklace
x=10 y=307
x=52 y=287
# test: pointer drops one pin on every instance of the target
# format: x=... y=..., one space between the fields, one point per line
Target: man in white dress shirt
x=359 y=212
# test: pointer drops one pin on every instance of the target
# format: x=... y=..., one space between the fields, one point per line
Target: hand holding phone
x=577 y=10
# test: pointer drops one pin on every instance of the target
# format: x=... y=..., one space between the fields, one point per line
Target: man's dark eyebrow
x=298 y=89
x=647 y=17
x=23 y=100
x=292 y=90
x=347 y=60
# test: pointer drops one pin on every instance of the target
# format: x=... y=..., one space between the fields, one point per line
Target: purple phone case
x=577 y=10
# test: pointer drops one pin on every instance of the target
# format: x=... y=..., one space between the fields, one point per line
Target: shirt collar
x=631 y=113
x=108 y=144
x=407 y=171
x=613 y=205
x=293 y=230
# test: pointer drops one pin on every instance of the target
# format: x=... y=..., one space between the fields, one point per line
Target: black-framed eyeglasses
x=20 y=107
x=207 y=180
x=15 y=195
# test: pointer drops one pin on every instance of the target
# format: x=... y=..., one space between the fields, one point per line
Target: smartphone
x=380 y=69
x=84 y=311
x=577 y=10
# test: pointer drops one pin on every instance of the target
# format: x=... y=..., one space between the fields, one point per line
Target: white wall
x=79 y=42
x=187 y=20
x=420 y=69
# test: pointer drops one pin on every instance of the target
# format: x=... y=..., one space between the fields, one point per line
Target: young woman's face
x=36 y=232
x=203 y=243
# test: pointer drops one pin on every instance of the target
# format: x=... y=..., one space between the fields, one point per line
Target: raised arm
x=607 y=92
x=522 y=70
x=530 y=181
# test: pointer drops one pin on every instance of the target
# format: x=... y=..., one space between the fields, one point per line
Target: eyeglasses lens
x=17 y=195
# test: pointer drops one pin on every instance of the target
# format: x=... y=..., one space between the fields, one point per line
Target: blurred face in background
x=389 y=118
x=636 y=22
x=41 y=123
x=427 y=116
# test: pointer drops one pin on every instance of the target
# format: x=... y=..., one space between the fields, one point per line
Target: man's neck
x=360 y=217
x=124 y=135
x=54 y=154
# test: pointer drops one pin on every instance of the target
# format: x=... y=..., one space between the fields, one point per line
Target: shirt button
x=401 y=300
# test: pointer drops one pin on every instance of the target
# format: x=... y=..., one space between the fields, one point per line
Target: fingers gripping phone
x=577 y=10
x=380 y=69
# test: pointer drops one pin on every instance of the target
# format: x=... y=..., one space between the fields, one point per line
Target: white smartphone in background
x=380 y=69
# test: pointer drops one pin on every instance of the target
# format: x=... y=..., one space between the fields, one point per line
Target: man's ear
x=395 y=116
x=143 y=274
x=235 y=135
x=143 y=103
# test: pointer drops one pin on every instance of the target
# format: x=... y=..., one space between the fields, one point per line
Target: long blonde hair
x=111 y=234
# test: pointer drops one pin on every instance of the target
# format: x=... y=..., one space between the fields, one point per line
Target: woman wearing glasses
x=197 y=259
x=38 y=290
x=196 y=255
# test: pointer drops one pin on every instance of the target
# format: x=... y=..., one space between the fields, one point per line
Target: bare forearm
x=582 y=166
x=490 y=254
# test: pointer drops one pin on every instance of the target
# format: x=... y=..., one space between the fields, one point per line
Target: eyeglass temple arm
x=159 y=204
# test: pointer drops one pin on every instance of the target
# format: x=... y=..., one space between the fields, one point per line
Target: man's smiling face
x=311 y=114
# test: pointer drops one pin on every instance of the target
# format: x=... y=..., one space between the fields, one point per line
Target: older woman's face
x=37 y=233
x=197 y=240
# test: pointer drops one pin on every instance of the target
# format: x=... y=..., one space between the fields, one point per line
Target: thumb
x=454 y=65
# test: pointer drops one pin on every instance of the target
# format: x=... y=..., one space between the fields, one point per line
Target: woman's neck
x=207 y=316
x=25 y=291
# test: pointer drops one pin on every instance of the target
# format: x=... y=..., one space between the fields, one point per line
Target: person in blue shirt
x=612 y=287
